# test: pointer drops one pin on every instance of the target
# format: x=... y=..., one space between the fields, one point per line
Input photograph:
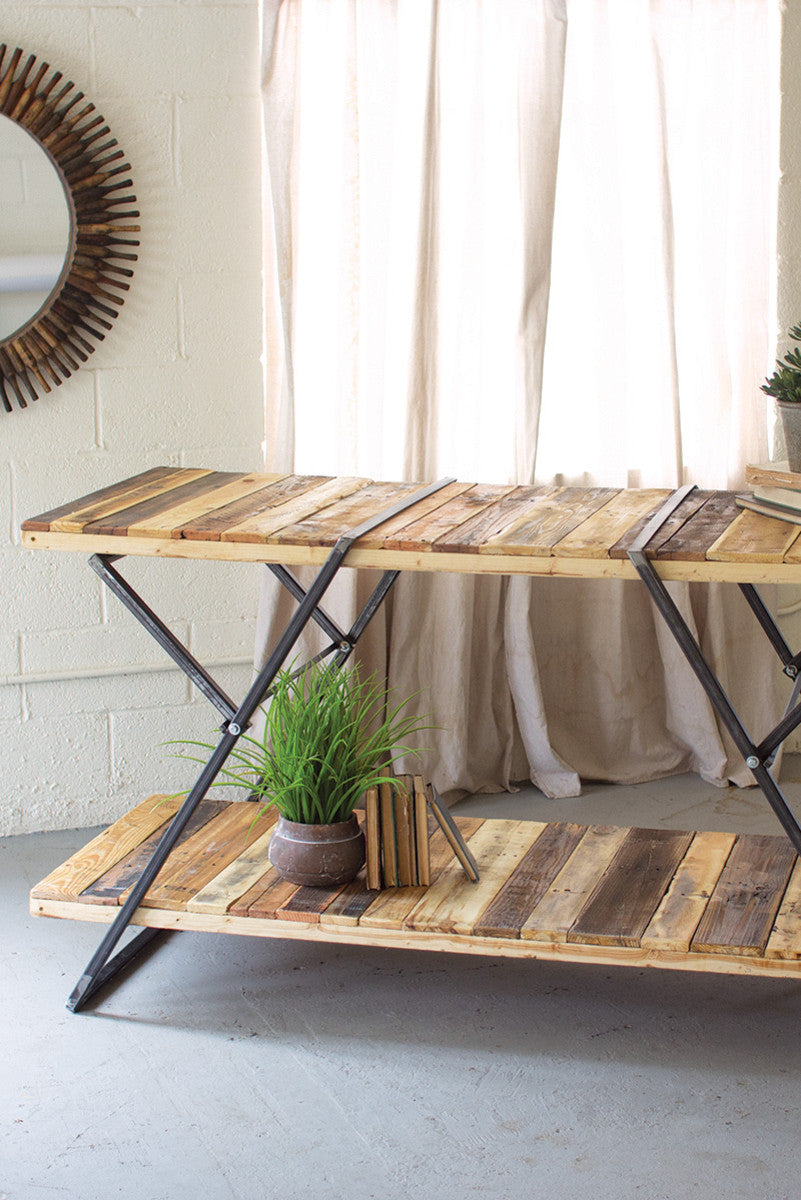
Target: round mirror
x=66 y=244
x=35 y=227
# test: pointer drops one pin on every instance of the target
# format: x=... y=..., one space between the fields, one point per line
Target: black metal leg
x=100 y=969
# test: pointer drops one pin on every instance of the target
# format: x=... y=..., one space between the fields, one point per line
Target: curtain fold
x=445 y=181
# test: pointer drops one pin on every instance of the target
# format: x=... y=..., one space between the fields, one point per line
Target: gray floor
x=237 y=1068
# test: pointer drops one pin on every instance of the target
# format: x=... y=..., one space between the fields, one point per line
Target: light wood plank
x=170 y=522
x=557 y=910
x=422 y=534
x=739 y=917
x=221 y=892
x=469 y=537
x=595 y=537
x=202 y=857
x=327 y=525
x=392 y=530
x=548 y=521
x=261 y=527
x=453 y=905
x=211 y=526
x=164 y=480
x=676 y=919
x=87 y=865
x=112 y=493
x=117 y=524
x=754 y=538
x=785 y=937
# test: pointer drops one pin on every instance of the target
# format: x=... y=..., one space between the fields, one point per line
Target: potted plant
x=785 y=386
x=328 y=736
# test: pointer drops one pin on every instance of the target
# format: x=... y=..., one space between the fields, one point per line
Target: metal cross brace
x=759 y=757
x=101 y=967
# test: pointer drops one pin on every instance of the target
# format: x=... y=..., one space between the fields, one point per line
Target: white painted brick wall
x=177 y=381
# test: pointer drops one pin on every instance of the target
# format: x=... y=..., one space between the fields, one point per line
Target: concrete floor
x=235 y=1068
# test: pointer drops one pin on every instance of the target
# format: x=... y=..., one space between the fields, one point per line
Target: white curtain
x=516 y=240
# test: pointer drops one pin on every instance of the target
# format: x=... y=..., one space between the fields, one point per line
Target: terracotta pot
x=790 y=413
x=317 y=855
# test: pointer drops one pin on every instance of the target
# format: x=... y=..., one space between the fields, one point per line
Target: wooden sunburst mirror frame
x=45 y=351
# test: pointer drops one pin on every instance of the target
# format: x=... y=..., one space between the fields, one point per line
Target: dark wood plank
x=209 y=528
x=121 y=878
x=307 y=904
x=691 y=542
x=323 y=528
x=468 y=537
x=512 y=906
x=350 y=905
x=205 y=854
x=679 y=517
x=627 y=896
x=117 y=524
x=740 y=913
x=275 y=896
x=42 y=523
x=422 y=534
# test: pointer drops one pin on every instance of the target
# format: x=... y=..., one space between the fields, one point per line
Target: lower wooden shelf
x=639 y=897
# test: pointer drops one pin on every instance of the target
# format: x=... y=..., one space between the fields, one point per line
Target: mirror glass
x=35 y=227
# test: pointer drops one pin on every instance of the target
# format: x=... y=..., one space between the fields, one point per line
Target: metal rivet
x=234 y=729
x=752 y=762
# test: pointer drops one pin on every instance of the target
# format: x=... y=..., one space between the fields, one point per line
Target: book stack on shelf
x=776 y=491
x=397 y=833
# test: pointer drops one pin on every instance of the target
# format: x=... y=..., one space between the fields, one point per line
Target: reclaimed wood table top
x=630 y=896
x=464 y=527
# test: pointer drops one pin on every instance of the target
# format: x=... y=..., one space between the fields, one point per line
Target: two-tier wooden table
x=688 y=900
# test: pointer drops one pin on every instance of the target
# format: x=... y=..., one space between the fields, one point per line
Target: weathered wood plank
x=392 y=907
x=112 y=493
x=556 y=912
x=115 y=883
x=170 y=522
x=203 y=856
x=692 y=540
x=422 y=534
x=266 y=903
x=308 y=904
x=88 y=864
x=469 y=537
x=752 y=537
x=234 y=880
x=548 y=521
x=452 y=905
x=118 y=523
x=392 y=530
x=785 y=937
x=165 y=480
x=595 y=537
x=622 y=904
x=351 y=903
x=676 y=919
x=508 y=911
x=739 y=916
x=263 y=526
x=679 y=517
x=327 y=525
x=211 y=526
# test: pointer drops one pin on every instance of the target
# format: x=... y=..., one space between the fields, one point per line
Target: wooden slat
x=267 y=900
x=623 y=902
x=422 y=534
x=452 y=905
x=325 y=526
x=679 y=517
x=211 y=526
x=692 y=540
x=194 y=864
x=391 y=530
x=392 y=907
x=548 y=521
x=110 y=494
x=118 y=523
x=557 y=910
x=351 y=903
x=595 y=537
x=166 y=481
x=676 y=919
x=739 y=916
x=87 y=865
x=754 y=538
x=785 y=938
x=308 y=904
x=469 y=537
x=170 y=522
x=221 y=892
x=115 y=883
x=505 y=915
x=262 y=526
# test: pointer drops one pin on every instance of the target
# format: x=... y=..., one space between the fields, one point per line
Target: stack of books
x=397 y=832
x=776 y=491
